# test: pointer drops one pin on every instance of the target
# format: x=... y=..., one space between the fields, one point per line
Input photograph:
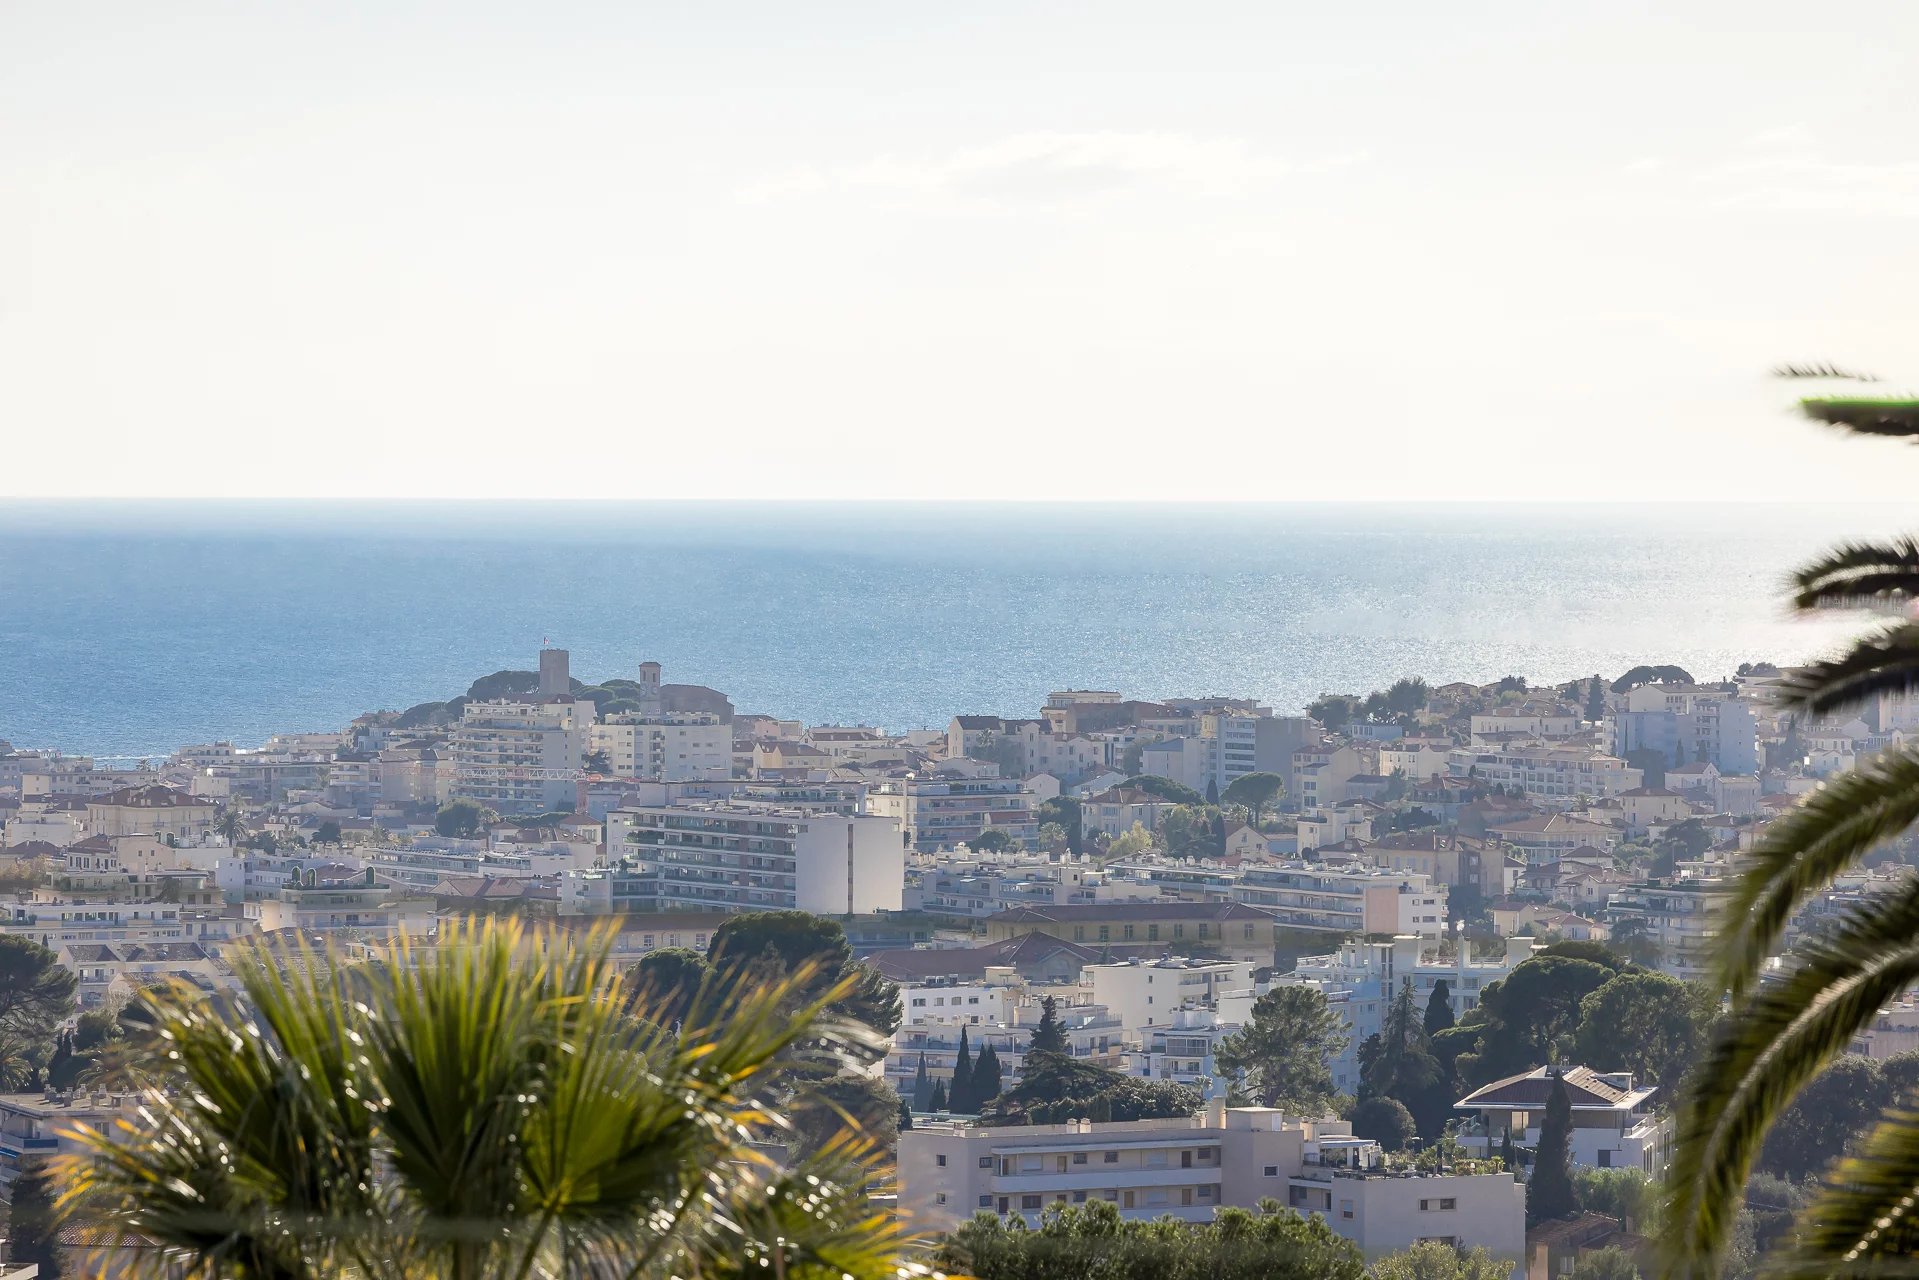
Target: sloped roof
x=1531 y=1089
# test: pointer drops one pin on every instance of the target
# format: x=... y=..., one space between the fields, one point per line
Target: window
x=1346 y=1210
x=1208 y=1191
x=1129 y=933
x=1605 y=1158
x=1105 y=933
x=986 y=1202
x=941 y=1197
x=1079 y=1157
x=1003 y=1204
x=1271 y=1171
x=986 y=1162
x=1079 y=1197
x=1152 y=935
x=1029 y=1202
x=940 y=1160
x=1179 y=931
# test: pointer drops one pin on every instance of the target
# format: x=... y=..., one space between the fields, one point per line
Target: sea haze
x=127 y=630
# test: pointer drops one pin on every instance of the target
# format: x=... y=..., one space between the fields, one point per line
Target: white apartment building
x=939 y=812
x=957 y=1003
x=1677 y=916
x=1491 y=726
x=1551 y=772
x=1142 y=992
x=679 y=747
x=745 y=855
x=154 y=810
x=1355 y=898
x=1188 y=1168
x=1614 y=1125
x=1093 y=1035
x=1182 y=1050
x=1418 y=761
x=1362 y=978
x=521 y=757
x=1893 y=1032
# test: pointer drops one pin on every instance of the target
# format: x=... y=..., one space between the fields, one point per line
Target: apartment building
x=1357 y=898
x=1562 y=773
x=1508 y=722
x=744 y=855
x=664 y=747
x=1093 y=1035
x=1687 y=723
x=155 y=810
x=1614 y=1123
x=519 y=756
x=1182 y=1049
x=1676 y=915
x=1187 y=1168
x=941 y=811
x=1142 y=992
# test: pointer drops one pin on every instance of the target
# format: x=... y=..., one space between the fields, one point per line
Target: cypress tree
x=1439 y=1008
x=1549 y=1192
x=960 y=1094
x=906 y=1115
x=1596 y=700
x=938 y=1102
x=922 y=1086
x=986 y=1076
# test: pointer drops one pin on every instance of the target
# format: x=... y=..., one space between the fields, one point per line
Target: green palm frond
x=1801 y=853
x=484 y=1105
x=1776 y=1040
x=1886 y=662
x=1858 y=573
x=1862 y=1222
x=1866 y=417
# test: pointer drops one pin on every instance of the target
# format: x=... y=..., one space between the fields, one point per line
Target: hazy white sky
x=1267 y=250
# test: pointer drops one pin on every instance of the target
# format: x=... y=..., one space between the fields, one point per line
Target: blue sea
x=127 y=630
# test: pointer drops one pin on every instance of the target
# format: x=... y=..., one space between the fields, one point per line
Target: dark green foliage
x=502 y=684
x=1521 y=1018
x=906 y=1115
x=1334 y=710
x=1399 y=1063
x=31 y=1224
x=1165 y=788
x=1212 y=791
x=1092 y=1242
x=959 y=1094
x=1386 y=1121
x=1647 y=1023
x=1834 y=1108
x=1439 y=1009
x=1651 y=763
x=1596 y=700
x=990 y=841
x=823 y=1111
x=938 y=1101
x=460 y=820
x=1549 y=1192
x=1256 y=791
x=666 y=983
x=1054 y=1088
x=986 y=1075
x=922 y=1098
x=1609 y=1263
x=36 y=990
x=421 y=715
x=1066 y=811
x=327 y=833
x=1651 y=675
x=1048 y=1036
x=1283 y=1052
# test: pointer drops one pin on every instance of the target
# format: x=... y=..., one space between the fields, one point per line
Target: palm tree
x=1783 y=1033
x=231 y=825
x=477 y=1108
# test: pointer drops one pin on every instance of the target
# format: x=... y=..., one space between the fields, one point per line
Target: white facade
x=665 y=748
x=521 y=757
x=1144 y=992
x=748 y=855
x=941 y=812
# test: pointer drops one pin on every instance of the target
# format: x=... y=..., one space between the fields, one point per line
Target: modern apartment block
x=1352 y=899
x=1614 y=1124
x=936 y=813
x=1553 y=773
x=1188 y=1168
x=521 y=757
x=1685 y=723
x=677 y=747
x=744 y=855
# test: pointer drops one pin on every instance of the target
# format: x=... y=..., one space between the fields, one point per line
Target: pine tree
x=922 y=1087
x=986 y=1076
x=1439 y=1009
x=938 y=1100
x=1048 y=1036
x=1549 y=1192
x=959 y=1096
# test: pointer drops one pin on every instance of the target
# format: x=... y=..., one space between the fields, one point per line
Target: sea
x=130 y=629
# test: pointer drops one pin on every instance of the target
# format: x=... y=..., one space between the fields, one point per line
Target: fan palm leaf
x=1802 y=853
x=1886 y=662
x=1858 y=574
x=1778 y=1038
x=485 y=1106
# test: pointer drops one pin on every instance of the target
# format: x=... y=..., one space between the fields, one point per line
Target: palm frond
x=1870 y=417
x=1885 y=662
x=1821 y=371
x=1801 y=853
x=1776 y=1040
x=1859 y=573
x=1863 y=1217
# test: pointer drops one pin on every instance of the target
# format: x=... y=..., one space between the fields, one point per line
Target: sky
x=1127 y=252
